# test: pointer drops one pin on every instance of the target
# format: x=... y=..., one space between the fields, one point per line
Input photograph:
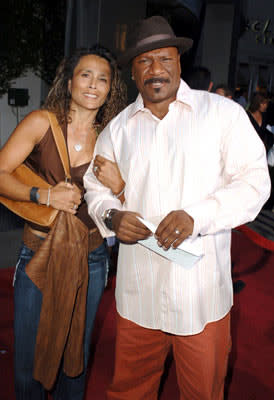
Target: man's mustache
x=156 y=80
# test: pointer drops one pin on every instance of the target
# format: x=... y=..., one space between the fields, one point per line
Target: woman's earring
x=132 y=77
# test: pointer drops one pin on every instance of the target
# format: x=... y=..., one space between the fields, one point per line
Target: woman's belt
x=33 y=242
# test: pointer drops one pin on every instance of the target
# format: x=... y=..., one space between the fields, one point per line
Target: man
x=240 y=96
x=223 y=90
x=182 y=154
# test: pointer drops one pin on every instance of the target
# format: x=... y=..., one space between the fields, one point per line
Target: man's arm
x=245 y=190
x=99 y=198
x=246 y=181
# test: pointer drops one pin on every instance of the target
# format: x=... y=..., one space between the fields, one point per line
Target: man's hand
x=128 y=228
x=174 y=229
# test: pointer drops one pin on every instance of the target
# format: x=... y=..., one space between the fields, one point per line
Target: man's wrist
x=107 y=217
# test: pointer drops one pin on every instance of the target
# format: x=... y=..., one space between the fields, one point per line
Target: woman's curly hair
x=59 y=97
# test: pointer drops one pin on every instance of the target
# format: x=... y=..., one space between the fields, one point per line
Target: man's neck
x=159 y=109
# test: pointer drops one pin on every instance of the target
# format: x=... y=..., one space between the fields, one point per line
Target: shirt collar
x=184 y=95
x=138 y=105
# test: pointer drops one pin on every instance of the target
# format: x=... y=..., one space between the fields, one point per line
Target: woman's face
x=263 y=106
x=90 y=84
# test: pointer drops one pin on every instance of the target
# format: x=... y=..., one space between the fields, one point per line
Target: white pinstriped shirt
x=204 y=157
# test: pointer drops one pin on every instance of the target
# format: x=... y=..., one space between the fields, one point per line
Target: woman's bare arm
x=27 y=134
x=20 y=144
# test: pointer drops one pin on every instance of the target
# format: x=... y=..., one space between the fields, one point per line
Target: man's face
x=157 y=75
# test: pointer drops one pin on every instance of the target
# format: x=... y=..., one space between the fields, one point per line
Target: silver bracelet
x=119 y=194
x=48 y=199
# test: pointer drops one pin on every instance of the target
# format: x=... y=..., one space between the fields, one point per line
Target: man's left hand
x=174 y=229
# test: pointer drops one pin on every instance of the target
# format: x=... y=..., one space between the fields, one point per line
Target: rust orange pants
x=201 y=361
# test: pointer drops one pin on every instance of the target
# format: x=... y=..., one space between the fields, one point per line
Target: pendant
x=78 y=147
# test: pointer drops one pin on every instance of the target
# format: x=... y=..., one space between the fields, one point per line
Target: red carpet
x=250 y=375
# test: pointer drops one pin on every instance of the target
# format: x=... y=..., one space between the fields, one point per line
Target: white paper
x=187 y=254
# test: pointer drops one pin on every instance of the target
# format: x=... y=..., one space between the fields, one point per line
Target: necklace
x=78 y=147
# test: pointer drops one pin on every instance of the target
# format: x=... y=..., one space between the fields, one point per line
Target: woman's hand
x=107 y=172
x=63 y=196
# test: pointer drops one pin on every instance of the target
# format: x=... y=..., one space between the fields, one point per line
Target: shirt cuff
x=200 y=219
x=98 y=213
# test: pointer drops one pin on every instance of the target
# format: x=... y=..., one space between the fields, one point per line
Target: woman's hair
x=256 y=100
x=59 y=97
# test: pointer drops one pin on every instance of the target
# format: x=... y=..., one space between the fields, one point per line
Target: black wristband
x=34 y=195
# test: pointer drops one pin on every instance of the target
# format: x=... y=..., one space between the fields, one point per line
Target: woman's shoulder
x=37 y=123
x=39 y=117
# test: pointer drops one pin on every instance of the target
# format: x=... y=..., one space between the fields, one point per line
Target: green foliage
x=32 y=36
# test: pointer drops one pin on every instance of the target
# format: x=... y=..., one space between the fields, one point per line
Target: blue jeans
x=27 y=302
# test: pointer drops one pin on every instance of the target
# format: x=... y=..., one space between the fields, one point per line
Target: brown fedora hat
x=150 y=34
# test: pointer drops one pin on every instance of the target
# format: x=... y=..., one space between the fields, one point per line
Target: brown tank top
x=44 y=160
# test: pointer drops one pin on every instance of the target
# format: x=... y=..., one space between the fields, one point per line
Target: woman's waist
x=33 y=238
x=82 y=214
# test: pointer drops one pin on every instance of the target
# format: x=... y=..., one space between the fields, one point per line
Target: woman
x=257 y=115
x=86 y=94
x=256 y=112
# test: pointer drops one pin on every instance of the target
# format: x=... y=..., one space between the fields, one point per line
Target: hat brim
x=183 y=44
